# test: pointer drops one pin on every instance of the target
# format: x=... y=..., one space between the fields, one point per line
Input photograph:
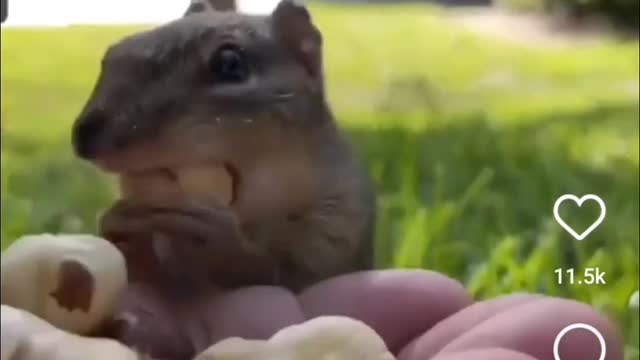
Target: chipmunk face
x=212 y=87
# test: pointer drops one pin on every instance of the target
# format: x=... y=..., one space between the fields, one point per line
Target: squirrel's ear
x=198 y=6
x=292 y=24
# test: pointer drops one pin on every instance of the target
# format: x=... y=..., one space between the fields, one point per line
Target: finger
x=130 y=217
x=255 y=312
x=398 y=304
x=481 y=354
x=536 y=325
x=165 y=221
x=431 y=342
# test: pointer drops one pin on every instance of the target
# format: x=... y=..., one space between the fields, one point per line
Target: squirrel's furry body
x=246 y=91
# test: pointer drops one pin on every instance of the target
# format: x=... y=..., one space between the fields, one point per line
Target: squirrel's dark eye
x=229 y=64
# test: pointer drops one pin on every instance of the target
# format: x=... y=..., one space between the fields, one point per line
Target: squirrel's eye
x=228 y=64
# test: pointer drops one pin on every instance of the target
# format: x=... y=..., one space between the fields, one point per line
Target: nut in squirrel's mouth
x=172 y=186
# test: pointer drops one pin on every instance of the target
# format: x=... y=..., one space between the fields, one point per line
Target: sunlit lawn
x=470 y=142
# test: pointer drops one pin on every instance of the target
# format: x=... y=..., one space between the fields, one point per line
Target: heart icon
x=580 y=201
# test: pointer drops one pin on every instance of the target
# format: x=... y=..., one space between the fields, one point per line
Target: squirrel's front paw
x=188 y=241
x=71 y=281
x=128 y=222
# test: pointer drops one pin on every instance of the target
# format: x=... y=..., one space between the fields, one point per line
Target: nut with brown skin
x=71 y=281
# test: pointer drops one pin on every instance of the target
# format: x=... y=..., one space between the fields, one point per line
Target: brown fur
x=304 y=207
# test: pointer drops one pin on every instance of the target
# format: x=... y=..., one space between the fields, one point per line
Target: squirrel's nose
x=87 y=134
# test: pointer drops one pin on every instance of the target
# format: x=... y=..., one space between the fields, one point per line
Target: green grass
x=470 y=141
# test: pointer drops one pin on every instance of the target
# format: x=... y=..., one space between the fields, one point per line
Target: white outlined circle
x=589 y=328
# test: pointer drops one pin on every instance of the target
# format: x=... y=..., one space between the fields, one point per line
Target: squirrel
x=247 y=91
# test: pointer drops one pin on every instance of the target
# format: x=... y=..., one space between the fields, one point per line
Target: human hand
x=420 y=315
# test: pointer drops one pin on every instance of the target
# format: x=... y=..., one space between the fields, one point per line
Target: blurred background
x=473 y=116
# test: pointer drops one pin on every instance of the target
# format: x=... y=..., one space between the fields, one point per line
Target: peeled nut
x=27 y=337
x=171 y=187
x=70 y=281
x=153 y=188
x=207 y=181
x=322 y=338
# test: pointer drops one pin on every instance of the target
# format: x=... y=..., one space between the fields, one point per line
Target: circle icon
x=589 y=328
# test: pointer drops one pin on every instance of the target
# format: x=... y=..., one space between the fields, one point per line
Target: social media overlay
x=589 y=328
x=590 y=276
x=579 y=201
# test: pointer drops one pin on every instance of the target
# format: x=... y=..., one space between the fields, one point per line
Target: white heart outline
x=580 y=201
